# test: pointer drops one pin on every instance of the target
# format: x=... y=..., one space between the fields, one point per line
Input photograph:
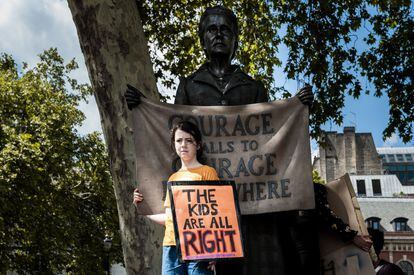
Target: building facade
x=399 y=162
x=347 y=152
x=383 y=179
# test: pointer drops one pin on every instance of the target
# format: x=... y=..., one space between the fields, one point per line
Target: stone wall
x=347 y=152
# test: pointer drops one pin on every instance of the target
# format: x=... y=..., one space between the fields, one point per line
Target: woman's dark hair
x=193 y=130
x=219 y=10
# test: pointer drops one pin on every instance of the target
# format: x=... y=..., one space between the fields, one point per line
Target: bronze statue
x=276 y=243
x=218 y=82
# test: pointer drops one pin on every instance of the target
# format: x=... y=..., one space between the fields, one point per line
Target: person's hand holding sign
x=363 y=242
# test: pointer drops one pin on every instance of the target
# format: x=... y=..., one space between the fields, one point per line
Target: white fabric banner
x=263 y=147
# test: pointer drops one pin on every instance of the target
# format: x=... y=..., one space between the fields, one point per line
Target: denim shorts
x=171 y=264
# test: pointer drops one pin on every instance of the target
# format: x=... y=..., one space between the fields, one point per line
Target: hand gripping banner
x=263 y=147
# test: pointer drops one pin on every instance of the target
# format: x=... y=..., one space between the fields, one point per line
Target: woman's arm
x=157 y=218
x=138 y=198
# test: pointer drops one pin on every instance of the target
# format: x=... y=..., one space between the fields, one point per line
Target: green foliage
x=339 y=48
x=389 y=63
x=56 y=195
x=316 y=177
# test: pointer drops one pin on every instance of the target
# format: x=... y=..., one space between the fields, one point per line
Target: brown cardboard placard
x=206 y=220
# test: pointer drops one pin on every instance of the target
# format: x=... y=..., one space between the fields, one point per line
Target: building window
x=376 y=187
x=410 y=177
x=382 y=157
x=404 y=172
x=406 y=267
x=401 y=167
x=400 y=224
x=361 y=188
x=400 y=157
x=391 y=158
x=402 y=176
x=373 y=223
x=391 y=167
x=408 y=157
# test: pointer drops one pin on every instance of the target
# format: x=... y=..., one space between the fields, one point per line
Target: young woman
x=186 y=142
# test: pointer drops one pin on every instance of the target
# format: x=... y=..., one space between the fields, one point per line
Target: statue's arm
x=181 y=96
x=262 y=95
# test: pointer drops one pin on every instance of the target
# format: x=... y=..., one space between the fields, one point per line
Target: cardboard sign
x=206 y=219
x=338 y=257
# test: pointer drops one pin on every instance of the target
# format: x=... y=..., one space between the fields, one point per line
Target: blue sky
x=29 y=27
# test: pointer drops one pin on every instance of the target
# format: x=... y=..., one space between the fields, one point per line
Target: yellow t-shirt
x=199 y=173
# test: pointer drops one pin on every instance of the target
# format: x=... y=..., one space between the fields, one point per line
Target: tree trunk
x=116 y=53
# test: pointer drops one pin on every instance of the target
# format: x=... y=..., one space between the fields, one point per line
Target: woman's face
x=185 y=146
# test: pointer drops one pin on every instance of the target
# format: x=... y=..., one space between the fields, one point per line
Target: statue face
x=218 y=38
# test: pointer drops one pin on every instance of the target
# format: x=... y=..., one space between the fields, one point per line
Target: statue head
x=218 y=31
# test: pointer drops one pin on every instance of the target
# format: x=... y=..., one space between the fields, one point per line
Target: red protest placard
x=206 y=219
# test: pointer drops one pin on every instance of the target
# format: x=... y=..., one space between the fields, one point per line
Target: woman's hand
x=157 y=218
x=362 y=241
x=138 y=197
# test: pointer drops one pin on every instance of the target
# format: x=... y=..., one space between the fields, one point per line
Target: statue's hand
x=305 y=95
x=132 y=96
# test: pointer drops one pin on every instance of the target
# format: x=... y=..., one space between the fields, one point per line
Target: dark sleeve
x=328 y=218
x=389 y=268
x=261 y=93
x=396 y=270
x=181 y=95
